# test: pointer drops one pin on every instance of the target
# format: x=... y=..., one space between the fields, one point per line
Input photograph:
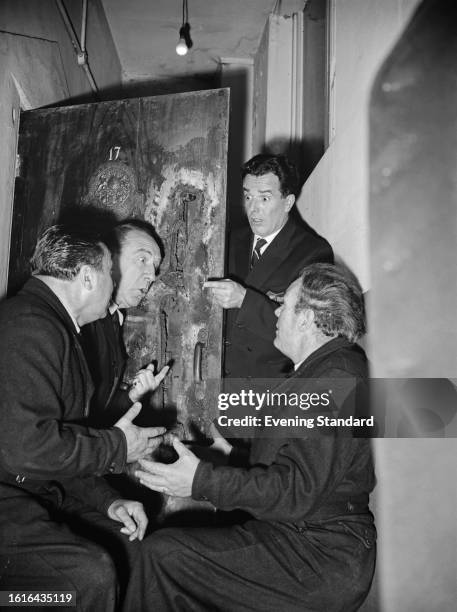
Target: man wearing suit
x=309 y=543
x=136 y=258
x=264 y=259
x=53 y=500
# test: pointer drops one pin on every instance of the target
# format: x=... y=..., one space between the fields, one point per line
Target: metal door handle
x=198 y=361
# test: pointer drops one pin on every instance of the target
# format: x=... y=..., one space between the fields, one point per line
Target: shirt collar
x=268 y=239
x=297 y=365
x=113 y=307
x=78 y=329
x=62 y=301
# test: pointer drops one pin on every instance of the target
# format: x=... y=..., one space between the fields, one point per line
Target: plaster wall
x=416 y=496
x=415 y=512
x=260 y=90
x=272 y=119
x=334 y=199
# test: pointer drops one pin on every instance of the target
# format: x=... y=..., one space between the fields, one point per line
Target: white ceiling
x=145 y=33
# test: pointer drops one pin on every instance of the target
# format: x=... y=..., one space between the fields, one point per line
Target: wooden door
x=162 y=159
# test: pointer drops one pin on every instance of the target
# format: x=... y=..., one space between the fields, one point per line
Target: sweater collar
x=38 y=288
x=323 y=351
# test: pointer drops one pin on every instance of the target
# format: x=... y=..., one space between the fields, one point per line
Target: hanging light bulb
x=181 y=47
x=185 y=41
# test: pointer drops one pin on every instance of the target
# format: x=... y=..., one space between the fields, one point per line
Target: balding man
x=136 y=259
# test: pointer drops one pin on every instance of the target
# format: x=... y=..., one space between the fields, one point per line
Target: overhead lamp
x=185 y=41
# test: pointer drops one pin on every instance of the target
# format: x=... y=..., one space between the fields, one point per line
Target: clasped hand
x=177 y=478
x=173 y=479
x=226 y=293
x=132 y=515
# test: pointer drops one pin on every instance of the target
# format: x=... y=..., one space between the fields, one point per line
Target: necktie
x=115 y=324
x=256 y=252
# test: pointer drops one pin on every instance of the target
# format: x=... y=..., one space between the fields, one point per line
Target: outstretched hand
x=141 y=441
x=173 y=479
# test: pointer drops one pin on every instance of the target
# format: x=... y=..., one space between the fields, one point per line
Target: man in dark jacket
x=136 y=257
x=51 y=462
x=310 y=541
x=264 y=258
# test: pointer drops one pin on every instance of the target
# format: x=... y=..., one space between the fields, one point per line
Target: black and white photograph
x=228 y=309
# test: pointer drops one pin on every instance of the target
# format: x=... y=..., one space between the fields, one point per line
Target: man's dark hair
x=61 y=252
x=335 y=296
x=116 y=236
x=276 y=164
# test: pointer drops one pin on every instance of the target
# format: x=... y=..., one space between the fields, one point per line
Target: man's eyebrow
x=260 y=190
x=152 y=252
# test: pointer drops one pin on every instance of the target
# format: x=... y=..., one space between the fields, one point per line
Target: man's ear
x=306 y=318
x=290 y=201
x=87 y=277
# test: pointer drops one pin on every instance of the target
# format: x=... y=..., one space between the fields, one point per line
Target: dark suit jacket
x=315 y=477
x=250 y=330
x=47 y=452
x=106 y=357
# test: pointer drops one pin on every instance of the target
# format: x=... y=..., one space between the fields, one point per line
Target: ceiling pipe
x=84 y=27
x=80 y=50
